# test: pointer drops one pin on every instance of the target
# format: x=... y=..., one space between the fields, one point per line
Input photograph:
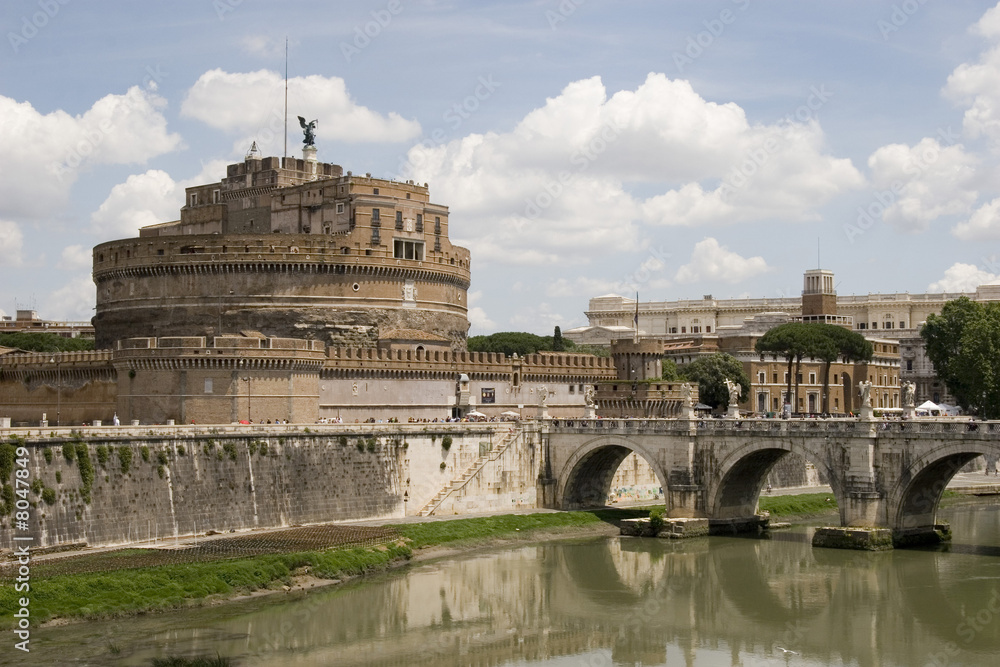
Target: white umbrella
x=474 y=413
x=510 y=413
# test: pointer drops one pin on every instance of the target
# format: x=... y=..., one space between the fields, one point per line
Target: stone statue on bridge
x=687 y=399
x=865 y=390
x=734 y=392
x=543 y=395
x=909 y=394
x=588 y=396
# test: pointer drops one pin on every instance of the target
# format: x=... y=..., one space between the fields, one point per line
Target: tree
x=520 y=342
x=711 y=373
x=793 y=341
x=796 y=341
x=670 y=371
x=557 y=341
x=963 y=343
x=44 y=342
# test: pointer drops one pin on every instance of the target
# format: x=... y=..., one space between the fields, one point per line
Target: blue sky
x=671 y=148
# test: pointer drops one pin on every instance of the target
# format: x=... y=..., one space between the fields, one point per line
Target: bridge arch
x=735 y=489
x=585 y=478
x=912 y=503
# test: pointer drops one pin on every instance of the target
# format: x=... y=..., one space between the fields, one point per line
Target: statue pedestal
x=543 y=412
x=909 y=412
x=687 y=412
x=733 y=412
x=867 y=413
x=590 y=412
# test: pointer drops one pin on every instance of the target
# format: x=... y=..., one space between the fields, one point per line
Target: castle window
x=420 y=222
x=345 y=251
x=902 y=324
x=404 y=249
x=340 y=208
x=812 y=378
x=437 y=224
x=215 y=196
x=194 y=199
x=159 y=251
x=374 y=191
x=376 y=217
x=208 y=385
x=407 y=195
x=909 y=364
x=775 y=378
x=399 y=220
x=761 y=377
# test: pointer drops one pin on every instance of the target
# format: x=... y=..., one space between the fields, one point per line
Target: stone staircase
x=506 y=441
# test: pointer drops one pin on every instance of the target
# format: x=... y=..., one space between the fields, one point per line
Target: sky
x=670 y=149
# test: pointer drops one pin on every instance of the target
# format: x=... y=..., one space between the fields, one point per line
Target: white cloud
x=983 y=224
x=252 y=102
x=147 y=199
x=74 y=301
x=977 y=85
x=143 y=199
x=478 y=319
x=961 y=277
x=263 y=46
x=921 y=183
x=49 y=149
x=710 y=261
x=558 y=185
x=539 y=319
x=11 y=243
x=76 y=257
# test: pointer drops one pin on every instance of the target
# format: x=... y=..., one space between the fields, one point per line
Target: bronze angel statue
x=308 y=129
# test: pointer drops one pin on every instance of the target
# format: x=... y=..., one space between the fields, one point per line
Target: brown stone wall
x=68 y=387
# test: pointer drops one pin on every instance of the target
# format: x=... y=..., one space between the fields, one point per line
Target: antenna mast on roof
x=286 y=97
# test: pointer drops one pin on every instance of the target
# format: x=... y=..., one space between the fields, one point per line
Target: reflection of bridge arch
x=913 y=502
x=585 y=479
x=741 y=475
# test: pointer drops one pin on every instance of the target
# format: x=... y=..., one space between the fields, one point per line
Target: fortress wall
x=195 y=480
x=79 y=386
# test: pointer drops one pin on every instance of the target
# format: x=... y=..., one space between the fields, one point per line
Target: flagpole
x=635 y=321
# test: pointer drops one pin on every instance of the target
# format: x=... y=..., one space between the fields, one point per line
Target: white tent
x=929 y=408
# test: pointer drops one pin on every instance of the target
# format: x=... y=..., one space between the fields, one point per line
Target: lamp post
x=55 y=361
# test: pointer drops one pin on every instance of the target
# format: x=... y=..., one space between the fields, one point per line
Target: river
x=605 y=601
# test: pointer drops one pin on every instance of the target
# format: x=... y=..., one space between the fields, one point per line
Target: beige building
x=686 y=326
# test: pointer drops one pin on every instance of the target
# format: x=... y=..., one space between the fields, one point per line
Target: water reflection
x=718 y=601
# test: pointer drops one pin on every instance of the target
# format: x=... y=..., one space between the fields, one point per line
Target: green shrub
x=263 y=448
x=342 y=440
x=230 y=450
x=8 y=453
x=656 y=518
x=161 y=471
x=446 y=442
x=252 y=447
x=69 y=452
x=360 y=444
x=49 y=496
x=161 y=458
x=125 y=458
x=144 y=452
x=181 y=451
x=7 y=506
x=370 y=444
x=47 y=452
x=102 y=455
x=37 y=486
x=86 y=471
x=443 y=465
x=58 y=477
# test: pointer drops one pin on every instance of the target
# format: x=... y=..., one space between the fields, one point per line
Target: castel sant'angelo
x=289 y=290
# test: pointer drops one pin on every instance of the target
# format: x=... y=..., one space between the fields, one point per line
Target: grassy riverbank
x=123 y=591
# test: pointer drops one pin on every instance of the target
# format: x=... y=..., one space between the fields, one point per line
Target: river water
x=607 y=601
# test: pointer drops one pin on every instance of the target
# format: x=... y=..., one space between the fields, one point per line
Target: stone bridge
x=888 y=475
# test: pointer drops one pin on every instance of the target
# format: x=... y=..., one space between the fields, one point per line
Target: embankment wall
x=184 y=480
